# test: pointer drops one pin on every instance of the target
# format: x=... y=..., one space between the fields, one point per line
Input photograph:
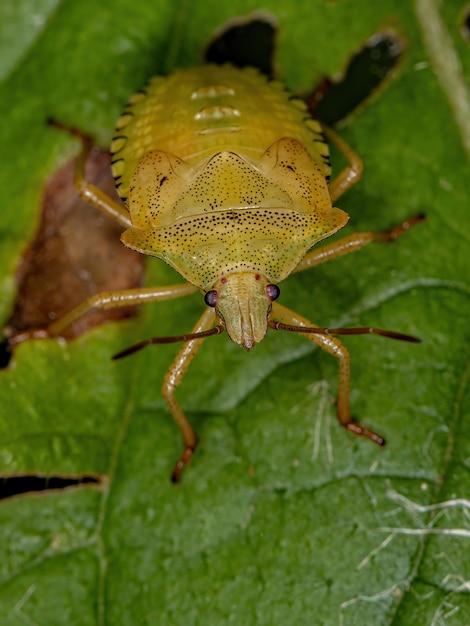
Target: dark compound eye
x=273 y=292
x=211 y=298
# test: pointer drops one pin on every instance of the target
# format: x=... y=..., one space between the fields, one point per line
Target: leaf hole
x=246 y=41
x=11 y=486
x=75 y=253
x=367 y=72
x=5 y=354
x=465 y=24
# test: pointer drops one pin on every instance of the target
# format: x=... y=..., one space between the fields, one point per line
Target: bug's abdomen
x=198 y=112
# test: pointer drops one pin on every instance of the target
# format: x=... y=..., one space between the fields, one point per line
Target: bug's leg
x=173 y=378
x=107 y=300
x=87 y=191
x=335 y=347
x=351 y=174
x=354 y=242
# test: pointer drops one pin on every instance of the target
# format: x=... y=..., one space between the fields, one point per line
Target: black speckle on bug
x=163 y=180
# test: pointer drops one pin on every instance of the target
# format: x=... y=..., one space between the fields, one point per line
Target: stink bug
x=226 y=177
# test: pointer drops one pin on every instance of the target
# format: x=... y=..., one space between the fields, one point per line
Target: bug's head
x=243 y=302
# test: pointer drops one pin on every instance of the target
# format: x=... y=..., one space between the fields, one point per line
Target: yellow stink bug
x=226 y=178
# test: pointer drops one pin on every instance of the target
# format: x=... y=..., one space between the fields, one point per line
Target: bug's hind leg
x=87 y=191
x=335 y=347
x=351 y=174
x=173 y=378
x=356 y=241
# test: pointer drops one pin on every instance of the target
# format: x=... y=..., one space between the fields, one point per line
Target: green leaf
x=282 y=518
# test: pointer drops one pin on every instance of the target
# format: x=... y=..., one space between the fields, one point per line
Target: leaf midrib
x=448 y=463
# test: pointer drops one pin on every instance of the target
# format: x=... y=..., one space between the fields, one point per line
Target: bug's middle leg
x=354 y=242
x=351 y=174
x=334 y=347
x=173 y=378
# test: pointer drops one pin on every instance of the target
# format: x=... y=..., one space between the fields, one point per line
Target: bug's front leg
x=87 y=191
x=107 y=300
x=173 y=378
x=335 y=347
